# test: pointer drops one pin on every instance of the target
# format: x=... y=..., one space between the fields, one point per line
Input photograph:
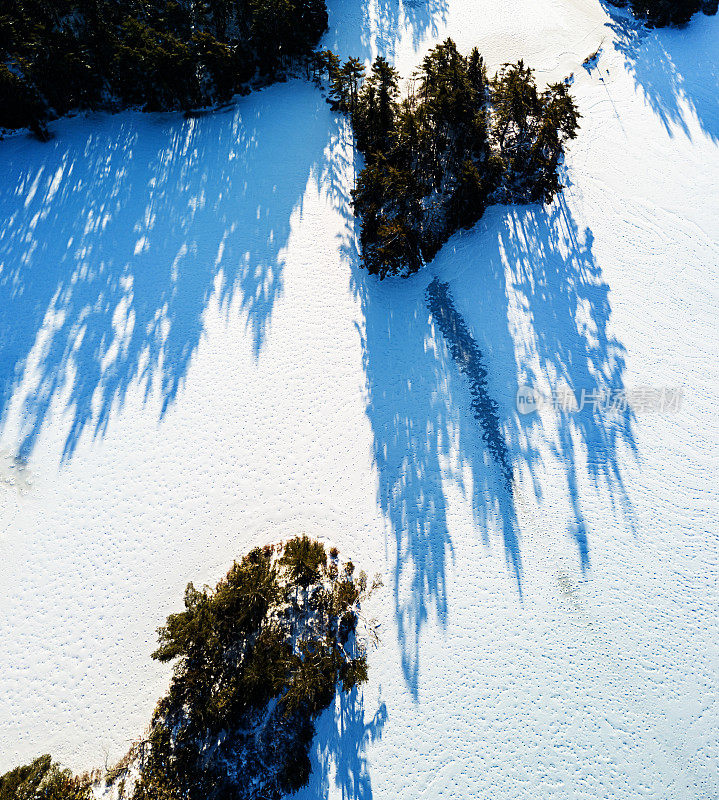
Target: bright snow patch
x=191 y=363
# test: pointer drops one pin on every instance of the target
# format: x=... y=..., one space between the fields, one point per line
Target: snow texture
x=192 y=363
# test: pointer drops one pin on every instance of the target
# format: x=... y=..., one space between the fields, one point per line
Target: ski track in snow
x=192 y=363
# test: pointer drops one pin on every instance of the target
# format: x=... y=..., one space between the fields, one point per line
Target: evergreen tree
x=515 y=105
x=352 y=74
x=255 y=661
x=158 y=54
x=42 y=780
x=377 y=107
x=456 y=143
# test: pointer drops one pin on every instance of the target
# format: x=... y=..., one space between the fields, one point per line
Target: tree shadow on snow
x=338 y=757
x=365 y=29
x=521 y=301
x=677 y=69
x=539 y=308
x=409 y=408
x=120 y=233
x=422 y=408
x=565 y=344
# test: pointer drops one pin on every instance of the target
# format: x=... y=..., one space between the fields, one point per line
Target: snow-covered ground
x=192 y=363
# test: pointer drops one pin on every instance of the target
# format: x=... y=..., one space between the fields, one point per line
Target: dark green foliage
x=375 y=118
x=529 y=130
x=42 y=780
x=467 y=203
x=304 y=559
x=457 y=143
x=659 y=13
x=158 y=54
x=256 y=660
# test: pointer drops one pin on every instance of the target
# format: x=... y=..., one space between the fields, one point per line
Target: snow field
x=194 y=364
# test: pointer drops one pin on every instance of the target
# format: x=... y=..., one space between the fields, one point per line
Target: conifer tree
x=158 y=54
x=456 y=143
x=353 y=73
x=378 y=106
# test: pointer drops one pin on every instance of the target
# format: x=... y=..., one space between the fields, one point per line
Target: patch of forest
x=455 y=143
x=660 y=13
x=43 y=779
x=61 y=55
x=256 y=660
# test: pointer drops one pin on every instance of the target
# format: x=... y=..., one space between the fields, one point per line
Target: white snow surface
x=192 y=363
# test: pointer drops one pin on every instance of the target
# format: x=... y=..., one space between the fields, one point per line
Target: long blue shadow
x=119 y=232
x=471 y=363
x=408 y=410
x=339 y=755
x=441 y=388
x=569 y=301
x=358 y=27
x=540 y=258
x=677 y=70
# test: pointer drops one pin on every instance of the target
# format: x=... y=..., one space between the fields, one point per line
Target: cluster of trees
x=457 y=142
x=256 y=660
x=59 y=55
x=659 y=13
x=43 y=780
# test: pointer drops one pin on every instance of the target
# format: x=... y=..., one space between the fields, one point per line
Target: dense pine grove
x=43 y=780
x=60 y=55
x=456 y=143
x=660 y=13
x=256 y=661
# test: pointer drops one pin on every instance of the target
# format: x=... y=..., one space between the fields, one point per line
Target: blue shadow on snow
x=119 y=232
x=443 y=385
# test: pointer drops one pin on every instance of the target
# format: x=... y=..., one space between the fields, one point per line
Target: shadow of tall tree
x=367 y=28
x=408 y=405
x=528 y=305
x=119 y=233
x=677 y=70
x=339 y=759
x=420 y=407
x=499 y=482
x=569 y=303
x=539 y=307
